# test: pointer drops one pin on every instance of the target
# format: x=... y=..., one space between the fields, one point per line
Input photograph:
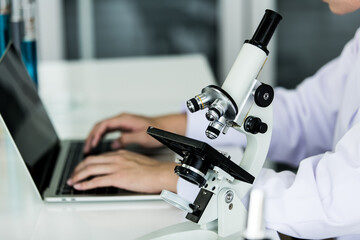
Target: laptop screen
x=26 y=118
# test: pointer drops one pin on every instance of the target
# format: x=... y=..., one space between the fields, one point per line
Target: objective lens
x=212 y=133
x=213 y=114
x=192 y=105
x=214 y=128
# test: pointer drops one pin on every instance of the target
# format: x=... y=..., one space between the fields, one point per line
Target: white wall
x=238 y=20
x=50 y=29
x=86 y=28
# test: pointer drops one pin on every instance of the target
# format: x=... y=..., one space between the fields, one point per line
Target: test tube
x=4 y=25
x=28 y=45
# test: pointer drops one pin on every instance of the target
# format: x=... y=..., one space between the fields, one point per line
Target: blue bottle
x=28 y=50
x=4 y=25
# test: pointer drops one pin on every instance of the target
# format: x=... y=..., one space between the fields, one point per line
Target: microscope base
x=188 y=230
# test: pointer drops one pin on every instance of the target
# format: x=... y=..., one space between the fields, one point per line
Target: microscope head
x=232 y=101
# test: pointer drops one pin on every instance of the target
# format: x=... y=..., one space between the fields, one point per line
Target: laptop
x=50 y=161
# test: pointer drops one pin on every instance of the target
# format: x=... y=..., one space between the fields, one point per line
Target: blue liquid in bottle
x=28 y=50
x=4 y=32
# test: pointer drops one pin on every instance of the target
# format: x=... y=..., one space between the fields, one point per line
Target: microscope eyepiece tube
x=250 y=60
x=265 y=30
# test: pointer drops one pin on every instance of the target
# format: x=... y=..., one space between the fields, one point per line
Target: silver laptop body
x=33 y=134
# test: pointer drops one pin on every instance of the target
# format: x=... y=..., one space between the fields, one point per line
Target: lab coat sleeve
x=323 y=199
x=305 y=118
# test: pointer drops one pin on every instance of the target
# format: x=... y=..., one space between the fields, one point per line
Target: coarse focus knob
x=264 y=95
x=254 y=125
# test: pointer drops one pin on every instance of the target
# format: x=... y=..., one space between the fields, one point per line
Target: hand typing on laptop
x=125 y=169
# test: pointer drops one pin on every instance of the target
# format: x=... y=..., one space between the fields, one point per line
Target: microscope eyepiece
x=265 y=30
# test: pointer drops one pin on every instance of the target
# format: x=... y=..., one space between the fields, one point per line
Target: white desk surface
x=76 y=95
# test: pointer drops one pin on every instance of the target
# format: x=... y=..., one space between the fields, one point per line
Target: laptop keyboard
x=75 y=156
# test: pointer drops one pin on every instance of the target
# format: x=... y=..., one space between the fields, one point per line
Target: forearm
x=175 y=123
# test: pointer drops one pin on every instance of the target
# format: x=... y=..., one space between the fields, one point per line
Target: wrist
x=167 y=176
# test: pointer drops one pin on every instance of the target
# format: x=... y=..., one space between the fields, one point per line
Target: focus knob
x=264 y=95
x=254 y=125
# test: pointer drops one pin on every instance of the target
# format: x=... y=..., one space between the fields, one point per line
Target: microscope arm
x=257 y=144
x=231 y=214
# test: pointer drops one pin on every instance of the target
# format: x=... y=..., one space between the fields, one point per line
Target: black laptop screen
x=26 y=118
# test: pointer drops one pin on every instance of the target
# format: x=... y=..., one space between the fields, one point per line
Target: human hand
x=126 y=170
x=133 y=129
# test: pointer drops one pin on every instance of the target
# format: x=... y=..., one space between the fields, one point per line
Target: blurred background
x=309 y=36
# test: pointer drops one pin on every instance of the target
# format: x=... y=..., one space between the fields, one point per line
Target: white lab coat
x=317 y=128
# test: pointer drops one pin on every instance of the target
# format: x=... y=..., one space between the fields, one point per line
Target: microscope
x=243 y=103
